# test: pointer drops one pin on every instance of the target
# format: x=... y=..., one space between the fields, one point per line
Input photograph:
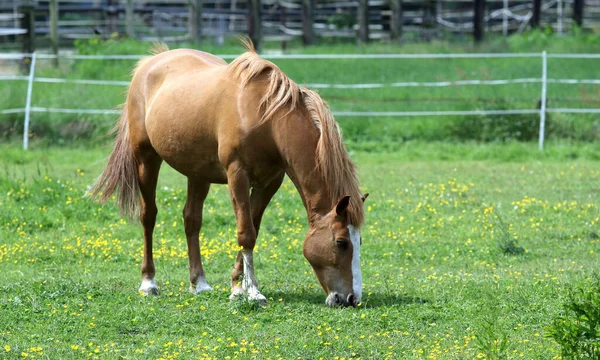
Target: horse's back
x=152 y=72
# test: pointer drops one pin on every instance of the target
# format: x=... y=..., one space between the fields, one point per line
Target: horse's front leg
x=239 y=189
x=259 y=199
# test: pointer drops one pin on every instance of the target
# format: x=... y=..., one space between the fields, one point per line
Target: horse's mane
x=282 y=90
x=159 y=47
x=338 y=171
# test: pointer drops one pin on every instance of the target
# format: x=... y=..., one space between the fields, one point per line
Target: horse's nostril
x=336 y=298
x=351 y=300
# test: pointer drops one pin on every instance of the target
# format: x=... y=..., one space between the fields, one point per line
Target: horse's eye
x=342 y=243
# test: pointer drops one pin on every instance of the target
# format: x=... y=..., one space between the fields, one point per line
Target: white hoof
x=236 y=293
x=148 y=287
x=258 y=297
x=201 y=286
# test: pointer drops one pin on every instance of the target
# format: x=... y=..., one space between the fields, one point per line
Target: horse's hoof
x=148 y=288
x=259 y=298
x=198 y=289
x=201 y=286
x=236 y=293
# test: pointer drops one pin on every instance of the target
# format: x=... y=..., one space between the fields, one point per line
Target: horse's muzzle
x=336 y=300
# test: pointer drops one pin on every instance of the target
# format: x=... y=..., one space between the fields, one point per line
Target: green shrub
x=524 y=127
x=577 y=329
x=498 y=128
x=342 y=20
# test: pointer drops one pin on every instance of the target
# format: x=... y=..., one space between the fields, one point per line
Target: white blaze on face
x=356 y=274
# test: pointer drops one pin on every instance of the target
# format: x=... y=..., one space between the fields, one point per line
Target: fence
x=283 y=19
x=543 y=80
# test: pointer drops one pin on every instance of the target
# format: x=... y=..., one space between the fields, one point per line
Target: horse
x=245 y=124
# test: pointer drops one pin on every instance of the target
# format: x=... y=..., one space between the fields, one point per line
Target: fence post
x=196 y=20
x=559 y=15
x=478 y=19
x=308 y=22
x=505 y=17
x=54 y=36
x=543 y=100
x=129 y=19
x=255 y=23
x=28 y=102
x=397 y=20
x=27 y=8
x=363 y=21
x=112 y=16
x=537 y=14
x=282 y=22
x=578 y=12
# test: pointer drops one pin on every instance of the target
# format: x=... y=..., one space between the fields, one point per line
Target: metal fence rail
x=543 y=80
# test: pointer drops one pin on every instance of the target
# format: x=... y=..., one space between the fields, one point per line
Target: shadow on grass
x=374 y=300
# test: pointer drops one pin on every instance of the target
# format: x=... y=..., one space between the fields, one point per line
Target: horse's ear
x=342 y=206
x=365 y=196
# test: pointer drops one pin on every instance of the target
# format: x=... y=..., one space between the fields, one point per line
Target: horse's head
x=332 y=247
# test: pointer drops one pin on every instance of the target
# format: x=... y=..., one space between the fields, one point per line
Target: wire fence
x=543 y=80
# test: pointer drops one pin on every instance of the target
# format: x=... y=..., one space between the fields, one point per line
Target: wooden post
x=282 y=22
x=27 y=8
x=255 y=23
x=478 y=19
x=537 y=11
x=221 y=25
x=54 y=36
x=195 y=20
x=578 y=12
x=559 y=16
x=429 y=19
x=129 y=19
x=363 y=21
x=429 y=8
x=112 y=14
x=308 y=20
x=396 y=21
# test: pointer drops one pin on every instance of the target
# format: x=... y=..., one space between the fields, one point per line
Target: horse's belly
x=183 y=133
x=199 y=168
x=190 y=153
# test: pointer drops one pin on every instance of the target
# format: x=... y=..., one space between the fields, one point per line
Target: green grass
x=469 y=251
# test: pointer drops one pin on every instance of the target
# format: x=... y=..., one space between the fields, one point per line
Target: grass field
x=469 y=252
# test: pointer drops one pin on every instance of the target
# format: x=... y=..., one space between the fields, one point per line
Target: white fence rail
x=543 y=81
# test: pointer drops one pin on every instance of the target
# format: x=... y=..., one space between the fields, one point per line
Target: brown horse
x=245 y=124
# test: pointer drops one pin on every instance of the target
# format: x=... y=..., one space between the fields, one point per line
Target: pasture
x=462 y=258
x=473 y=246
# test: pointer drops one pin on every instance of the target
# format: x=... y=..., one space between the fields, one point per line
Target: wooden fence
x=66 y=20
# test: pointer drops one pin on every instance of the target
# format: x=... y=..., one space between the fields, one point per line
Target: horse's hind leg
x=192 y=217
x=148 y=167
x=259 y=199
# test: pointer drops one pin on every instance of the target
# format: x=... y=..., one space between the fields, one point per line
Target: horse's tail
x=121 y=173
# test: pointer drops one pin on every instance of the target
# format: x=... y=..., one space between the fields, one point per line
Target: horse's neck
x=313 y=192
x=298 y=144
